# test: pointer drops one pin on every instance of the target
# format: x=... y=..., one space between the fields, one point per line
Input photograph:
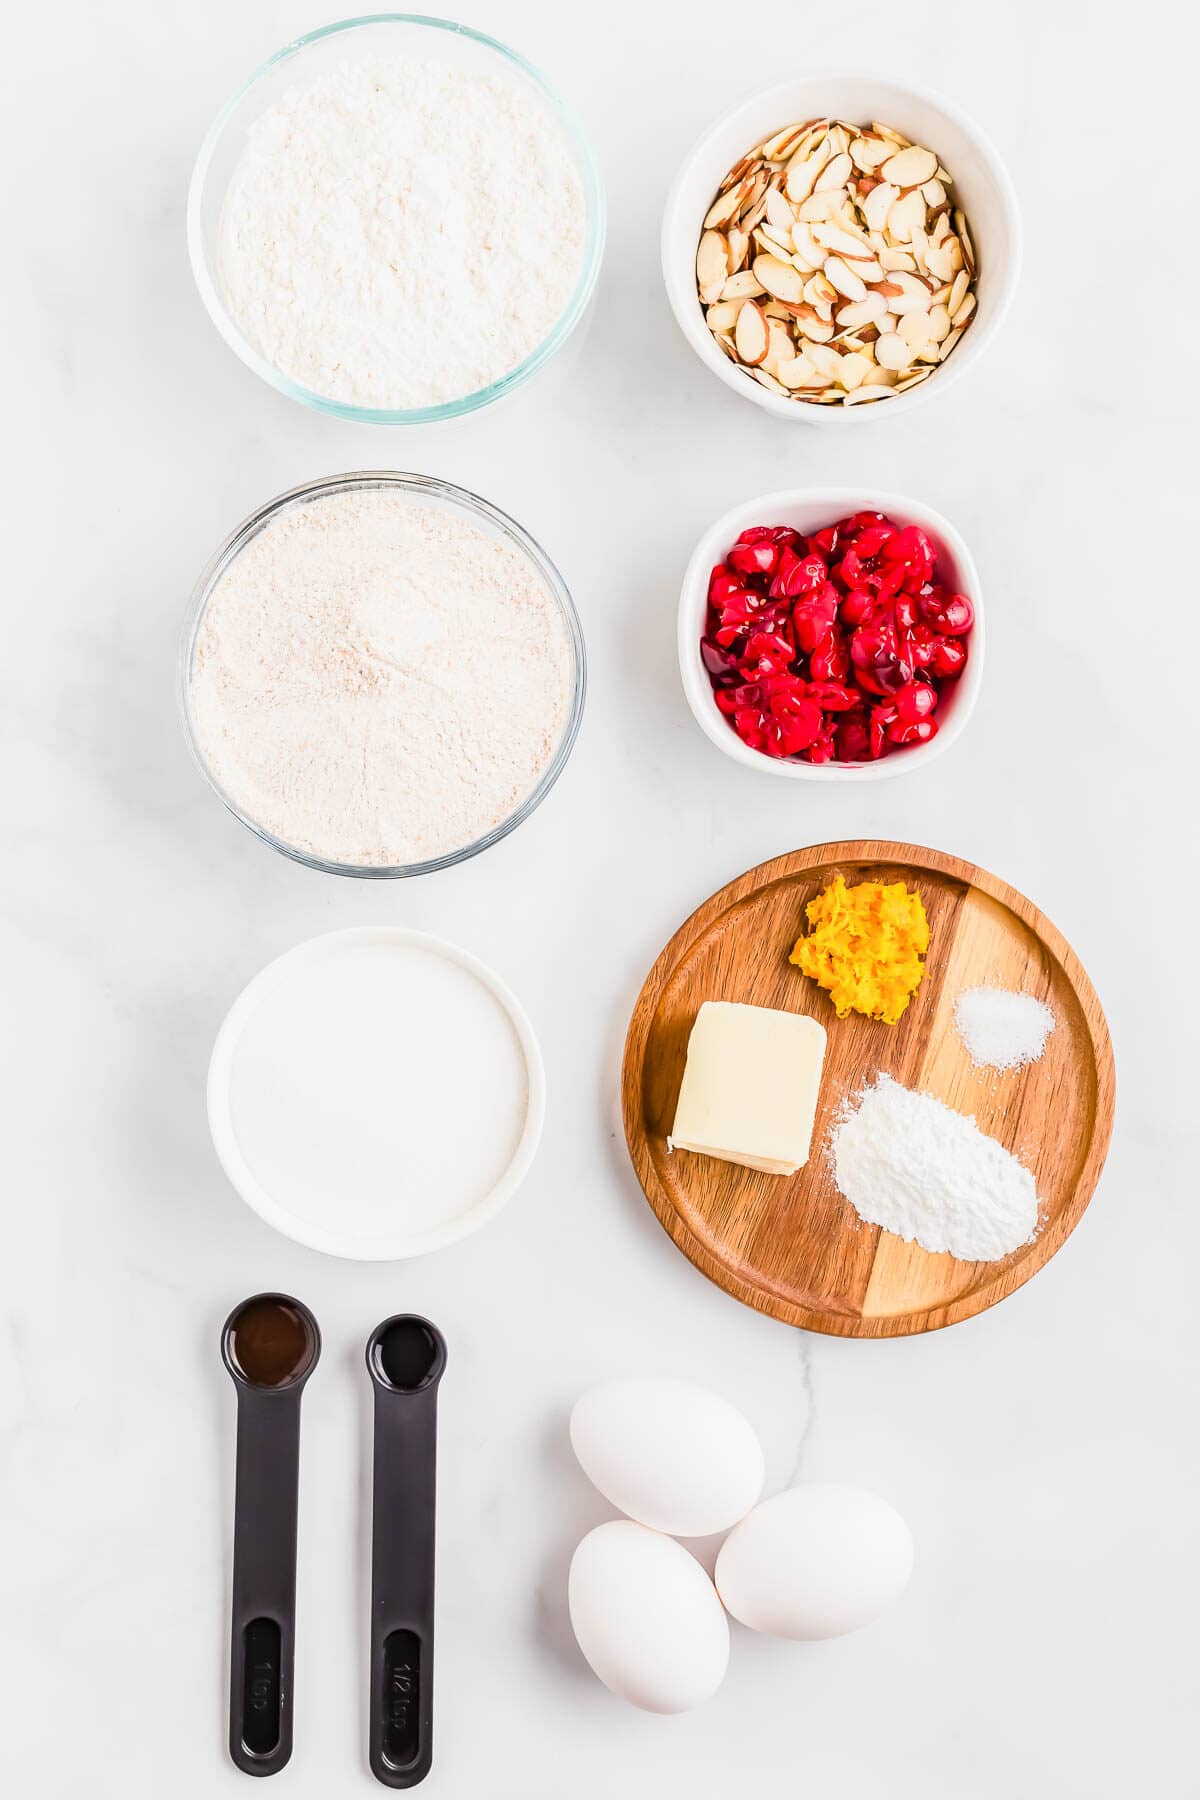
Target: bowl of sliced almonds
x=840 y=243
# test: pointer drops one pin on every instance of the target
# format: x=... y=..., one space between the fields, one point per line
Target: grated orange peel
x=864 y=946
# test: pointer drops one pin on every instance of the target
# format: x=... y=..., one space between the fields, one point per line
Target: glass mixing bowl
x=425 y=489
x=439 y=40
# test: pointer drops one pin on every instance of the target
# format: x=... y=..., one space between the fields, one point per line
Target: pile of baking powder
x=400 y=234
x=378 y=683
x=909 y=1163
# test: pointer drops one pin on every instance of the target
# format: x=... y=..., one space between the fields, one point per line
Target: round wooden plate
x=792 y=1246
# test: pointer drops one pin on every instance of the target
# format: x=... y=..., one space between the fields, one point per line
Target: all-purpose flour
x=914 y=1166
x=377 y=682
x=400 y=234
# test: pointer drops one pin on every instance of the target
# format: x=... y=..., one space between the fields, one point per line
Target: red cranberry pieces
x=834 y=645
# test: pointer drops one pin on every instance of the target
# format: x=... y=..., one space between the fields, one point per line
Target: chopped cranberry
x=814 y=618
x=948 y=657
x=857 y=606
x=797 y=575
x=833 y=696
x=912 y=551
x=766 y=653
x=823 y=748
x=915 y=700
x=829 y=659
x=919 y=731
x=872 y=538
x=758 y=558
x=721 y=583
x=853 y=744
x=952 y=615
x=716 y=658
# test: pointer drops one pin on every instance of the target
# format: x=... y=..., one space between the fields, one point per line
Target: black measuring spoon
x=406 y=1356
x=270 y=1345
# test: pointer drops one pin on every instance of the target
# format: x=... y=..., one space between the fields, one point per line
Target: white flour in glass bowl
x=400 y=234
x=377 y=683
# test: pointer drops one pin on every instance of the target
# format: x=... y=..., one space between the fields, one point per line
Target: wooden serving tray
x=793 y=1246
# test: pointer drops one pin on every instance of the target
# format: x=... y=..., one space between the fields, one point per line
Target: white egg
x=815 y=1562
x=647 y=1618
x=669 y=1453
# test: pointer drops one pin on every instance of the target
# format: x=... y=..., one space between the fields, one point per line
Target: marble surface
x=1046 y=1453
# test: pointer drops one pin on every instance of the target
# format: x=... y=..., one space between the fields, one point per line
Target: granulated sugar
x=1002 y=1029
x=914 y=1166
x=399 y=234
x=379 y=683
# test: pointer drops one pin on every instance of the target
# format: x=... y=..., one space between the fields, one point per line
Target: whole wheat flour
x=400 y=234
x=909 y=1163
x=376 y=682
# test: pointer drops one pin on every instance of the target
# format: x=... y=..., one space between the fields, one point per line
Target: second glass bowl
x=489 y=519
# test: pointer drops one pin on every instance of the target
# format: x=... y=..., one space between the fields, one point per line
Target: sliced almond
x=817 y=207
x=782 y=279
x=897 y=259
x=948 y=344
x=911 y=381
x=781 y=146
x=768 y=381
x=854 y=369
x=723 y=316
x=891 y=352
x=779 y=213
x=751 y=335
x=798 y=372
x=774 y=243
x=712 y=265
x=864 y=393
x=806 y=252
x=813 y=326
x=908 y=211
x=826 y=361
x=867 y=311
x=962 y=282
x=780 y=346
x=963 y=311
x=878 y=204
x=819 y=290
x=934 y=193
x=835 y=174
x=845 y=243
x=939 y=324
x=909 y=168
x=916 y=329
x=868 y=151
x=722 y=209
x=739 y=244
x=803 y=170
x=841 y=275
x=745 y=285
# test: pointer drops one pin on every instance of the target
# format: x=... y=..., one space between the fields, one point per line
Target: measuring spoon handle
x=263 y=1637
x=402 y=1582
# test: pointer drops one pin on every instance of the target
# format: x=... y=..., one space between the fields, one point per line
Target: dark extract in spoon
x=271 y=1342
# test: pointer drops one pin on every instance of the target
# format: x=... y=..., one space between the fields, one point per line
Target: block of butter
x=750 y=1086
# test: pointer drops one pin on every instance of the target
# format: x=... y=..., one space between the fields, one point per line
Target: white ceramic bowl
x=808 y=509
x=393 y=1242
x=980 y=182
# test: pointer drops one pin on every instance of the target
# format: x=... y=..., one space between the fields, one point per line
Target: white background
x=1045 y=1454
